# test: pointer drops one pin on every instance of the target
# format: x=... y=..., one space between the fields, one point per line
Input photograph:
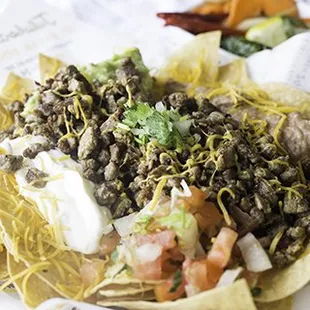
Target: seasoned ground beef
x=10 y=163
x=206 y=147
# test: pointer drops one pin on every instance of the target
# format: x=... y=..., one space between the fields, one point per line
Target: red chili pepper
x=194 y=24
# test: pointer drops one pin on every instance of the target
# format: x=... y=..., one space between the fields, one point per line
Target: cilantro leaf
x=137 y=115
x=147 y=123
x=177 y=280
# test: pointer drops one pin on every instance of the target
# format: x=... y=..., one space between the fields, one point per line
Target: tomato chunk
x=164 y=238
x=166 y=291
x=220 y=253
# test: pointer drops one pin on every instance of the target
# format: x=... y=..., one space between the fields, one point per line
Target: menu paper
x=303 y=8
x=287 y=63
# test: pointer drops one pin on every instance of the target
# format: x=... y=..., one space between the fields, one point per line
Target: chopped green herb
x=147 y=123
x=177 y=280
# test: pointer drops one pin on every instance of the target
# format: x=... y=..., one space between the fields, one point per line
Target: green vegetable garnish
x=177 y=280
x=241 y=46
x=147 y=123
x=106 y=70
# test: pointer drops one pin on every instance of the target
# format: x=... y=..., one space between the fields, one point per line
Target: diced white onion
x=229 y=277
x=200 y=252
x=124 y=224
x=176 y=193
x=148 y=252
x=191 y=290
x=254 y=255
x=183 y=127
x=159 y=106
x=186 y=190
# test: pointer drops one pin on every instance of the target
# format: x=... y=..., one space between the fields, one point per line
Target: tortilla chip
x=6 y=118
x=279 y=284
x=33 y=291
x=195 y=64
x=49 y=66
x=283 y=304
x=286 y=94
x=241 y=10
x=236 y=296
x=276 y=7
x=235 y=74
x=145 y=296
x=16 y=87
x=207 y=8
x=120 y=282
x=118 y=291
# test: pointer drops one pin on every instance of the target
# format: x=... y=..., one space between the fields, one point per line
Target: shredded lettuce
x=185 y=226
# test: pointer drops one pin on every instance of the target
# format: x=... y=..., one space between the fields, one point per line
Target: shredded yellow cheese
x=275 y=241
x=221 y=204
x=159 y=188
x=37 y=244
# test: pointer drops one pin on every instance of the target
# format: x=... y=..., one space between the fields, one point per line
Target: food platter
x=182 y=187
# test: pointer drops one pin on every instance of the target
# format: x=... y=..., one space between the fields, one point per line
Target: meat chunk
x=35 y=177
x=10 y=163
x=88 y=144
x=33 y=150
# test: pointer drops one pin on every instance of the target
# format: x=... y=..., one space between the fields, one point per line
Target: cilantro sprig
x=147 y=123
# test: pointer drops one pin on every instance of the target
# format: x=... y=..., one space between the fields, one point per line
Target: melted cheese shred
x=258 y=99
x=34 y=242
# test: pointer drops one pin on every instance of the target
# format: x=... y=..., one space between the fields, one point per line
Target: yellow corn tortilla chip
x=120 y=281
x=145 y=296
x=279 y=284
x=119 y=291
x=16 y=87
x=195 y=64
x=33 y=291
x=235 y=74
x=286 y=94
x=6 y=118
x=236 y=296
x=49 y=66
x=283 y=304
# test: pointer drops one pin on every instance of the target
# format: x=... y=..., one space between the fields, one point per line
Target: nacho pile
x=203 y=199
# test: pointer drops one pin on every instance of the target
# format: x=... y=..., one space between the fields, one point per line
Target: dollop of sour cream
x=67 y=199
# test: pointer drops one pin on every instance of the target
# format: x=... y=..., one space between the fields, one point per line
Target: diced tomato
x=109 y=242
x=197 y=199
x=208 y=218
x=149 y=270
x=202 y=274
x=163 y=290
x=176 y=254
x=220 y=252
x=164 y=238
x=92 y=272
x=206 y=213
x=171 y=260
x=168 y=268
